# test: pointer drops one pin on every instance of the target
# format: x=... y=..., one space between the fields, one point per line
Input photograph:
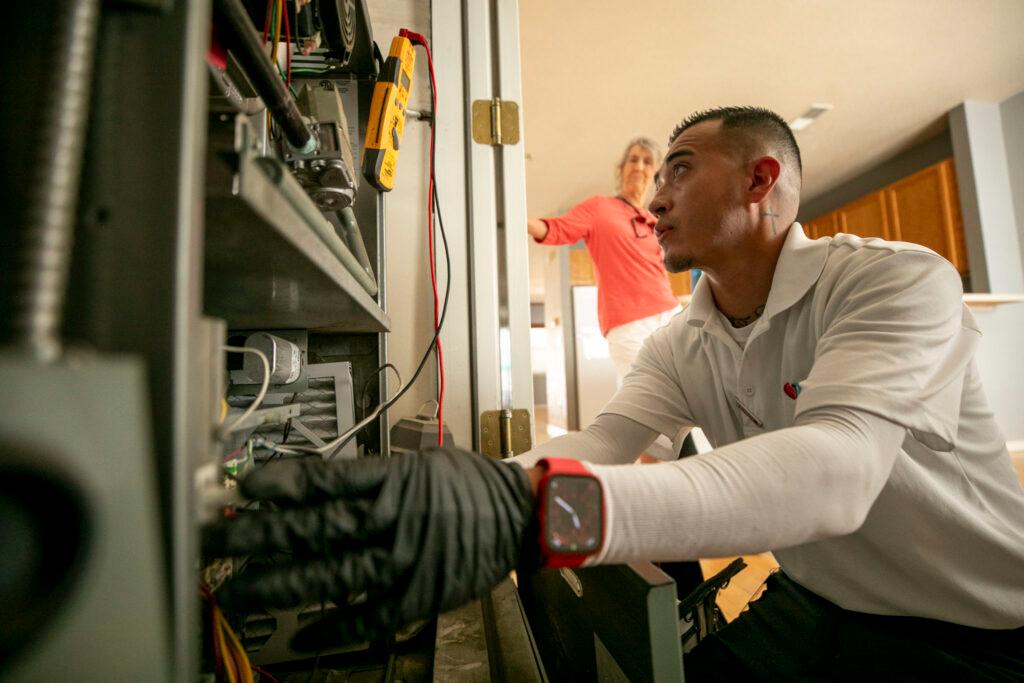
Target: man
x=836 y=380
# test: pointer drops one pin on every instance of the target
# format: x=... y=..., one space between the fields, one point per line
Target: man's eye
x=677 y=170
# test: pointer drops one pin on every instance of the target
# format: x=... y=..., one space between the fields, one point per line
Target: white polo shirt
x=879 y=327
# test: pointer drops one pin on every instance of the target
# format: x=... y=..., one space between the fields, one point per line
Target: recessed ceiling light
x=808 y=117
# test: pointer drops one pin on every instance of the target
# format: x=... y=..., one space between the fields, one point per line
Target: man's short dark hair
x=762 y=121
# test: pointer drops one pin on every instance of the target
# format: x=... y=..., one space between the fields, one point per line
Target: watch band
x=564 y=467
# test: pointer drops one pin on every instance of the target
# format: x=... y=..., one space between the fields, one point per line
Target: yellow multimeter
x=387 y=115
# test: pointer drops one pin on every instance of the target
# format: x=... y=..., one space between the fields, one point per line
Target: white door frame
x=479 y=40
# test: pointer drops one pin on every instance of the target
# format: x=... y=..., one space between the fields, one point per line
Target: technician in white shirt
x=835 y=379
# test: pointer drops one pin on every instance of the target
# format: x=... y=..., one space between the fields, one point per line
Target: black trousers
x=792 y=634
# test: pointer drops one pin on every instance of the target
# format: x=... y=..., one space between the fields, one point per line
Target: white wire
x=341 y=440
x=263 y=388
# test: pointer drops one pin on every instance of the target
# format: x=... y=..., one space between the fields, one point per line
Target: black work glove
x=419 y=534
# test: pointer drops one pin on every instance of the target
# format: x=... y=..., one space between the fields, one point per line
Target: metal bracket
x=504 y=433
x=495 y=122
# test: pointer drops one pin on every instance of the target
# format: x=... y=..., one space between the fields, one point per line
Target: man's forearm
x=609 y=440
x=775 y=490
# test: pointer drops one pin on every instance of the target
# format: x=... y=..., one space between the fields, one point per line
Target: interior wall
x=1012 y=113
x=1000 y=358
x=409 y=293
x=993 y=159
x=557 y=312
x=1001 y=365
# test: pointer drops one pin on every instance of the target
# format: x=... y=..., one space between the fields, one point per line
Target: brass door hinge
x=504 y=433
x=495 y=122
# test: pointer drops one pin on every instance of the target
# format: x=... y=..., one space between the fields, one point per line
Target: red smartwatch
x=570 y=510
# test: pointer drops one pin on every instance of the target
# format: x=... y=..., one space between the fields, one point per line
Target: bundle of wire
x=277 y=15
x=230 y=659
x=228 y=654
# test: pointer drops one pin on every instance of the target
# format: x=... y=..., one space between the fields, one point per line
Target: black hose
x=45 y=236
x=240 y=36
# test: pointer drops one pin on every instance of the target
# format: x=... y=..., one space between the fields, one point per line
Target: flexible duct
x=46 y=233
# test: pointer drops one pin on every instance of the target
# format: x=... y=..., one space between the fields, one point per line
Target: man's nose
x=658 y=204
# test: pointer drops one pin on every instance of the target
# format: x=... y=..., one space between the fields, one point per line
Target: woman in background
x=634 y=297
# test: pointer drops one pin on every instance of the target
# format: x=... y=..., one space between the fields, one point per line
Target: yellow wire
x=277 y=32
x=242 y=658
x=229 y=666
x=233 y=655
x=223 y=410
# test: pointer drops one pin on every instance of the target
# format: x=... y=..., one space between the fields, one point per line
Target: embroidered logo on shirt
x=791 y=389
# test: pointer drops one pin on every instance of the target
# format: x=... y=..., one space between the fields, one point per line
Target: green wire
x=285 y=79
x=270 y=35
x=273 y=25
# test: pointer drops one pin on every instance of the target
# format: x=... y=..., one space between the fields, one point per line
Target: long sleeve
x=608 y=440
x=815 y=480
x=572 y=226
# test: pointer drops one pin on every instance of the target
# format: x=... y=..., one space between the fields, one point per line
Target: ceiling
x=596 y=73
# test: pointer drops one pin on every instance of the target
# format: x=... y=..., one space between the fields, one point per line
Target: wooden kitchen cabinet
x=823 y=226
x=581 y=272
x=866 y=217
x=680 y=283
x=923 y=208
x=581 y=268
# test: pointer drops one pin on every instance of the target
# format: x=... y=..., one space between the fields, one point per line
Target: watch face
x=572 y=520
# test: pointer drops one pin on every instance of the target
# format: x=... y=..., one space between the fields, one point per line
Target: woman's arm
x=537 y=228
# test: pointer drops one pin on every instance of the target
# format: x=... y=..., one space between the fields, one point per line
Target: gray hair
x=639 y=141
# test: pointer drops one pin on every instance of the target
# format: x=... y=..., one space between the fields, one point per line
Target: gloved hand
x=420 y=534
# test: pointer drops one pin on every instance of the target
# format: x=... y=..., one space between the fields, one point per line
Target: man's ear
x=765 y=172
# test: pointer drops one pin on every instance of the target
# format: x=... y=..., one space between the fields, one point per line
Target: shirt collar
x=799 y=267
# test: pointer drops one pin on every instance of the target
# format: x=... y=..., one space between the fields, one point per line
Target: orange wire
x=228 y=661
x=242 y=657
x=266 y=22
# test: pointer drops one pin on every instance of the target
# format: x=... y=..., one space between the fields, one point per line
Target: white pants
x=624 y=344
x=624 y=341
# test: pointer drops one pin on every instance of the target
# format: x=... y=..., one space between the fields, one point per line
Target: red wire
x=440 y=355
x=287 y=46
x=417 y=38
x=264 y=672
x=211 y=605
x=266 y=23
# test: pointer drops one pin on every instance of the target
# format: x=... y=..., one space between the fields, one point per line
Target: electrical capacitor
x=285 y=359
